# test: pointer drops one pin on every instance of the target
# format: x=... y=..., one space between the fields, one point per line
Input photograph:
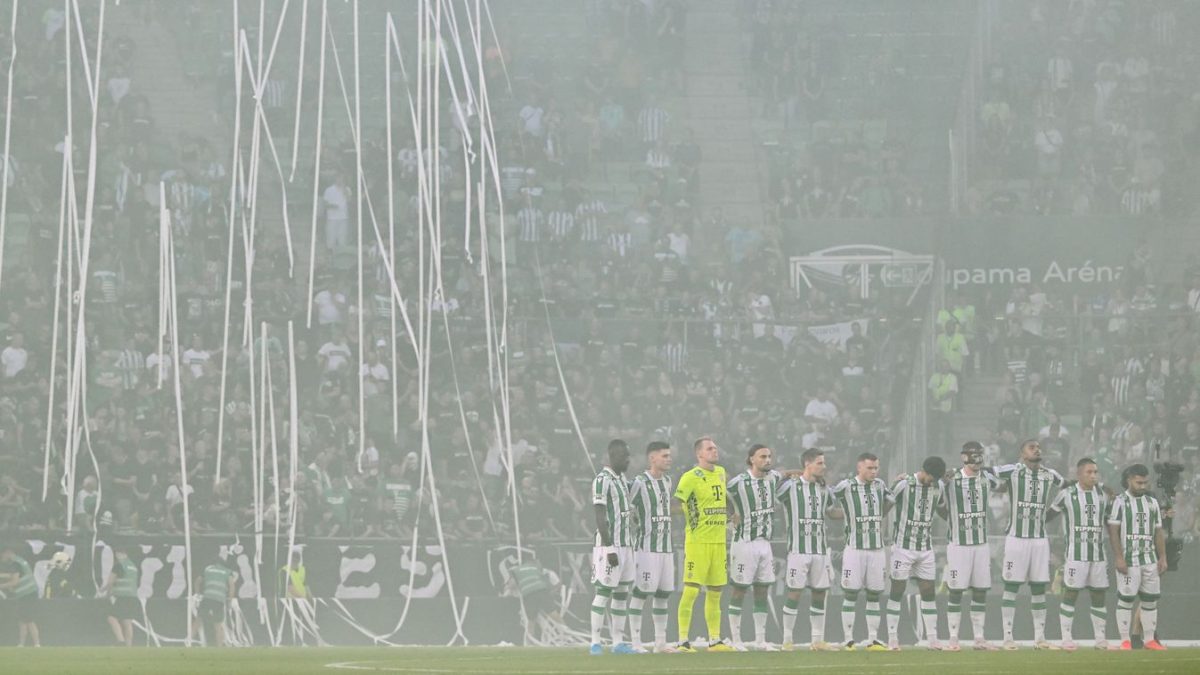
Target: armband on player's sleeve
x=598 y=492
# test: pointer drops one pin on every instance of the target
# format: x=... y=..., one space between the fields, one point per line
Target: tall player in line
x=655 y=555
x=1085 y=507
x=612 y=555
x=1026 y=548
x=865 y=499
x=1139 y=543
x=968 y=558
x=806 y=501
x=917 y=496
x=701 y=493
x=752 y=505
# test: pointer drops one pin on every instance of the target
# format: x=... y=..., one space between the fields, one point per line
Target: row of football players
x=634 y=556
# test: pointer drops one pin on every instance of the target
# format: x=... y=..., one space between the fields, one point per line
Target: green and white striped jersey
x=864 y=504
x=1140 y=519
x=1085 y=512
x=26 y=582
x=609 y=490
x=754 y=499
x=216 y=582
x=915 y=505
x=966 y=502
x=1029 y=492
x=651 y=499
x=804 y=506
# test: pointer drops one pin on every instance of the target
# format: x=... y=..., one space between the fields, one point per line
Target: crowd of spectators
x=835 y=149
x=669 y=321
x=1112 y=375
x=1088 y=108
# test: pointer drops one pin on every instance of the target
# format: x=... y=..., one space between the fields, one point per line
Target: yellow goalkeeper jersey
x=703 y=495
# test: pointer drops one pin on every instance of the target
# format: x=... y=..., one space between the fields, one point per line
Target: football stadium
x=599 y=336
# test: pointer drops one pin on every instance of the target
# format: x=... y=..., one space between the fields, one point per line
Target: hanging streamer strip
x=299 y=89
x=316 y=191
x=165 y=218
x=76 y=389
x=235 y=169
x=58 y=278
x=392 y=39
x=8 y=107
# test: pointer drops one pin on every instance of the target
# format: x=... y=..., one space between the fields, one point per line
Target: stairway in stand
x=721 y=112
x=977 y=414
x=178 y=105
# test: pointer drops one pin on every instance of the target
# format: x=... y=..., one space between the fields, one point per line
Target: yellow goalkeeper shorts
x=705 y=564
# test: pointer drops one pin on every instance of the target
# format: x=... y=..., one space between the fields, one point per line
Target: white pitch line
x=380 y=666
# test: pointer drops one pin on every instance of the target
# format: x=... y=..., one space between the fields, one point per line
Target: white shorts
x=863 y=568
x=655 y=571
x=1081 y=575
x=608 y=576
x=1139 y=579
x=1026 y=561
x=805 y=570
x=968 y=567
x=906 y=562
x=751 y=562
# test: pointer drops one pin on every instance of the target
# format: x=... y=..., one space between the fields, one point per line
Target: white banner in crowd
x=836 y=333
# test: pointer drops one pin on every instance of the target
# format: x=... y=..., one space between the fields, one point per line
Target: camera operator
x=1167 y=474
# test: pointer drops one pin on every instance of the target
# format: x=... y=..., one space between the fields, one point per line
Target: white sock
x=600 y=603
x=735 y=619
x=874 y=610
x=929 y=618
x=978 y=618
x=1149 y=620
x=1008 y=609
x=790 y=609
x=1124 y=618
x=816 y=615
x=849 y=602
x=1099 y=623
x=618 y=616
x=660 y=618
x=954 y=612
x=893 y=619
x=760 y=621
x=1039 y=617
x=636 y=603
x=1066 y=617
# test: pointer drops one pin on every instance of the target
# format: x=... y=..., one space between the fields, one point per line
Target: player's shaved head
x=618 y=455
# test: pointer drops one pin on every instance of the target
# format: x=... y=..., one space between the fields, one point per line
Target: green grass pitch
x=492 y=660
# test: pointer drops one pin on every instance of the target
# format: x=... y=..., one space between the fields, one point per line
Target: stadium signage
x=1054 y=273
x=988 y=250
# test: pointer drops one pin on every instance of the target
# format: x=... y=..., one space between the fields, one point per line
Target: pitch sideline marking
x=380 y=666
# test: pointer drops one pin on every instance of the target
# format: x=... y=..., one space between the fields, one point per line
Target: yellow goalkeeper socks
x=687 y=601
x=712 y=614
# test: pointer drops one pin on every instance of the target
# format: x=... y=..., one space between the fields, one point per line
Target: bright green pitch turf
x=491 y=660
